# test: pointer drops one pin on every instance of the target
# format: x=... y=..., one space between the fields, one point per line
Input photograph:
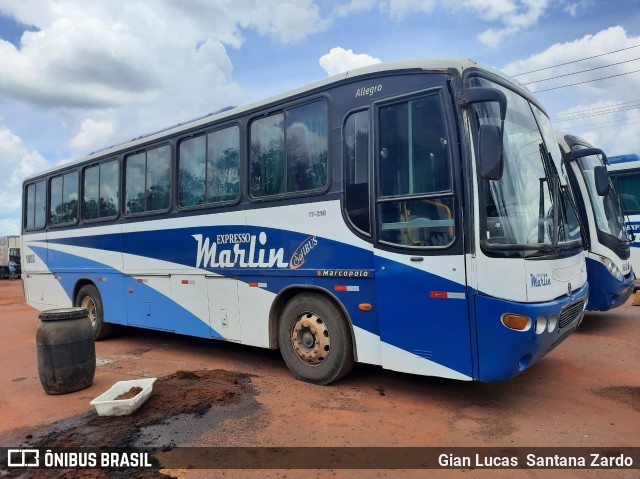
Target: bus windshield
x=528 y=209
x=607 y=210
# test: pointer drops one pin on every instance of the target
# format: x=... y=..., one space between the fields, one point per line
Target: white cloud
x=16 y=163
x=353 y=6
x=396 y=9
x=93 y=134
x=399 y=9
x=574 y=7
x=339 y=60
x=515 y=15
x=137 y=66
x=287 y=21
x=603 y=42
x=605 y=124
x=581 y=109
x=105 y=54
x=134 y=67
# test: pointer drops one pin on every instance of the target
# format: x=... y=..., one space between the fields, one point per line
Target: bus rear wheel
x=89 y=298
x=315 y=341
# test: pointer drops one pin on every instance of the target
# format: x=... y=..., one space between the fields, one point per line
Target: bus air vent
x=570 y=313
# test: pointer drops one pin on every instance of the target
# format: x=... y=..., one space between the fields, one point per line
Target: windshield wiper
x=557 y=195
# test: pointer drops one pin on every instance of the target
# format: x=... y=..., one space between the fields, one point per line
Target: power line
x=575 y=61
x=582 y=129
x=578 y=116
x=619 y=122
x=598 y=108
x=582 y=71
x=587 y=81
x=595 y=113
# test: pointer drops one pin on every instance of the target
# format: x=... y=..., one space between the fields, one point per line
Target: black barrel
x=66 y=351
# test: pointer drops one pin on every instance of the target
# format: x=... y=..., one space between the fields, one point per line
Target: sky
x=81 y=75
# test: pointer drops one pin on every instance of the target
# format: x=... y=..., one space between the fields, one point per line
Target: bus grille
x=570 y=313
x=561 y=338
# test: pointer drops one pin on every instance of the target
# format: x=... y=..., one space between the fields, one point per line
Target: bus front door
x=420 y=265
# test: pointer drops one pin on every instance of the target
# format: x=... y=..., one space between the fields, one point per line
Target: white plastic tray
x=107 y=405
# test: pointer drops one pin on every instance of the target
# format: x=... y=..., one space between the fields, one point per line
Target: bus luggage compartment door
x=148 y=301
x=224 y=316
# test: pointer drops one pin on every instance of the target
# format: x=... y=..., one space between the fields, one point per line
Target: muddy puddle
x=182 y=406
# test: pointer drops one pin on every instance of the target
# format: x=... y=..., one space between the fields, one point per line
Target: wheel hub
x=88 y=304
x=310 y=339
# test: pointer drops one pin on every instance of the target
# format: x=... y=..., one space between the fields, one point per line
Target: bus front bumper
x=503 y=352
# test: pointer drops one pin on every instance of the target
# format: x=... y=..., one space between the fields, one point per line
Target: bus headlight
x=612 y=268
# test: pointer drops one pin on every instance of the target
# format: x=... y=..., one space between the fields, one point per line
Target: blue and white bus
x=625 y=174
x=609 y=271
x=408 y=215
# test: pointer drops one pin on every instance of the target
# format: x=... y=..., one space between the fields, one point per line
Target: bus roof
x=426 y=64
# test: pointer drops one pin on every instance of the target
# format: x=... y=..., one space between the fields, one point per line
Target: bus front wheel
x=89 y=298
x=315 y=341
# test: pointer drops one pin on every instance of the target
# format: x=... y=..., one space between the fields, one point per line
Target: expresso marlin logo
x=242 y=250
x=300 y=254
x=539 y=280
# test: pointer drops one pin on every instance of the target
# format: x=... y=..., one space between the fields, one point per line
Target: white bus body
x=368 y=217
x=609 y=270
x=625 y=173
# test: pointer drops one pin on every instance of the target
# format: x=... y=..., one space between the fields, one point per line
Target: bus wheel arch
x=87 y=295
x=314 y=335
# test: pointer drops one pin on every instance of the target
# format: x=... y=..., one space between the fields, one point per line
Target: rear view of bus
x=608 y=267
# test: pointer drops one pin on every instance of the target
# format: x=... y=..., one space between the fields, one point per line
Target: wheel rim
x=90 y=305
x=310 y=339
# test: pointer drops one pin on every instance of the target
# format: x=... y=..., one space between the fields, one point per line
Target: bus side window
x=209 y=168
x=289 y=151
x=148 y=180
x=223 y=165
x=356 y=154
x=158 y=178
x=135 y=183
x=63 y=199
x=307 y=140
x=100 y=191
x=36 y=205
x=267 y=156
x=192 y=154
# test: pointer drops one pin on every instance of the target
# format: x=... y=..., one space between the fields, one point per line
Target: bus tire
x=315 y=341
x=89 y=298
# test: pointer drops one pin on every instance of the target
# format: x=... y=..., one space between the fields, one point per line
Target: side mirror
x=483 y=95
x=575 y=154
x=602 y=180
x=490 y=152
x=489 y=136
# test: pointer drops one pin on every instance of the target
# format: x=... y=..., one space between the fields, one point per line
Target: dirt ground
x=586 y=392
